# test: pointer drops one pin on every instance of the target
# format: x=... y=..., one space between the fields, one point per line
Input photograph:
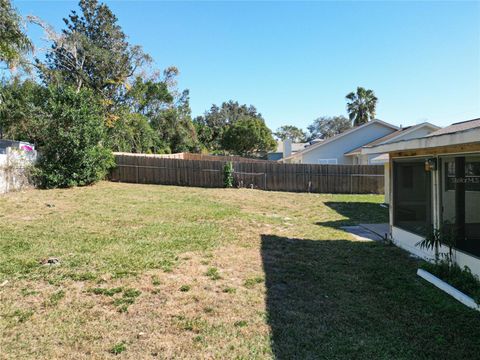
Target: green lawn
x=175 y=272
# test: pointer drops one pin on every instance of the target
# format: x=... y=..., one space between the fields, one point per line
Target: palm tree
x=361 y=106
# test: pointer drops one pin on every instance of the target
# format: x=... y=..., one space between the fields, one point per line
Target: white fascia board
x=459 y=138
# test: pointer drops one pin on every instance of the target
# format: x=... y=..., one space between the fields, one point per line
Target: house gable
x=333 y=149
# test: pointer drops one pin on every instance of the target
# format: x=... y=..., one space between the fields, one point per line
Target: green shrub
x=462 y=279
x=73 y=153
x=228 y=175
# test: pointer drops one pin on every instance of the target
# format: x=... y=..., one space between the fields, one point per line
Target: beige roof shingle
x=460 y=126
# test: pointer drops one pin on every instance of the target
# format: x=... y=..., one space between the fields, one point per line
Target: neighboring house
x=435 y=182
x=285 y=148
x=360 y=157
x=333 y=150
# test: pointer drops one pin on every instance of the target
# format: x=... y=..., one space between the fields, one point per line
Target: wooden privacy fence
x=190 y=156
x=266 y=175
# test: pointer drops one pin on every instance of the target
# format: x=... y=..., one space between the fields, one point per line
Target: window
x=327 y=161
x=471 y=178
x=460 y=198
x=412 y=196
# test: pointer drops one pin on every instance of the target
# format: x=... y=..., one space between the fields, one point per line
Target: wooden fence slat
x=207 y=171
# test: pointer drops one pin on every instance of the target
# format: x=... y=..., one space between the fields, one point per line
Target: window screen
x=412 y=196
x=461 y=200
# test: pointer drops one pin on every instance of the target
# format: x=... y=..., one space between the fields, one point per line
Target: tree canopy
x=291 y=132
x=248 y=136
x=14 y=43
x=213 y=124
x=328 y=126
x=361 y=106
x=93 y=52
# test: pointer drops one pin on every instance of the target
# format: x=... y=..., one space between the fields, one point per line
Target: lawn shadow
x=344 y=299
x=355 y=213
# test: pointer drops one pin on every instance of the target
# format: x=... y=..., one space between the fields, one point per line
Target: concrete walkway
x=367 y=232
x=381 y=230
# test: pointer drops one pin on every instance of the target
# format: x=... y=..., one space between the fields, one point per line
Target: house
x=285 y=148
x=435 y=183
x=360 y=157
x=333 y=150
x=5 y=144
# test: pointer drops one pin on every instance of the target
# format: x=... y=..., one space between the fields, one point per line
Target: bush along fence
x=266 y=175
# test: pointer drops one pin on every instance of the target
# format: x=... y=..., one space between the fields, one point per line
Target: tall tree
x=92 y=52
x=213 y=124
x=14 y=43
x=328 y=126
x=175 y=127
x=361 y=106
x=291 y=132
x=248 y=136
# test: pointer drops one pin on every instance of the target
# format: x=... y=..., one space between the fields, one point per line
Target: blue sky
x=296 y=61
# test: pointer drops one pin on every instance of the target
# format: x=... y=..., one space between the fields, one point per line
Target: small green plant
x=208 y=310
x=122 y=303
x=241 y=323
x=55 y=298
x=185 y=288
x=127 y=299
x=229 y=290
x=82 y=276
x=195 y=324
x=251 y=282
x=106 y=292
x=123 y=308
x=445 y=235
x=213 y=273
x=118 y=348
x=131 y=293
x=198 y=339
x=27 y=292
x=22 y=315
x=155 y=280
x=228 y=175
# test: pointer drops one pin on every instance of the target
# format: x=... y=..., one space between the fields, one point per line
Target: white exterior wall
x=3 y=175
x=12 y=169
x=463 y=260
x=407 y=240
x=338 y=147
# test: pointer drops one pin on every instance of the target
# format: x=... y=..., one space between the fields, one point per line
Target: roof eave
x=333 y=138
x=458 y=138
